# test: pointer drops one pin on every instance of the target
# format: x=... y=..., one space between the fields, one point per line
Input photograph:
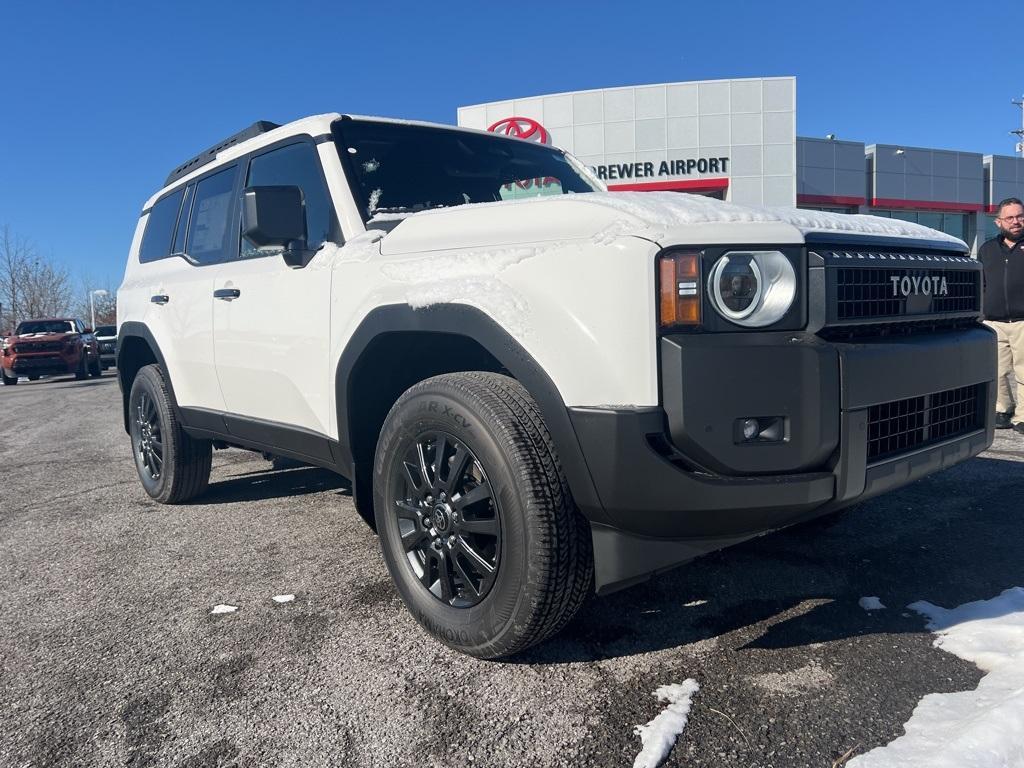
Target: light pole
x=92 y=308
x=1019 y=134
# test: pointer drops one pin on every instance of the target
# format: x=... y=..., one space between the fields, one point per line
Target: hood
x=64 y=336
x=663 y=217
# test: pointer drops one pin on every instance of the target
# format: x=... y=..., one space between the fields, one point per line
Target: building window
x=991 y=230
x=954 y=224
x=827 y=209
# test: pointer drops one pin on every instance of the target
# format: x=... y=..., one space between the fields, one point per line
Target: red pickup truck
x=47 y=347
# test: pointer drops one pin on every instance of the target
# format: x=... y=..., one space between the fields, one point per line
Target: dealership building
x=736 y=140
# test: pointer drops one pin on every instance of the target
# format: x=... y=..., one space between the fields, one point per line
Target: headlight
x=752 y=288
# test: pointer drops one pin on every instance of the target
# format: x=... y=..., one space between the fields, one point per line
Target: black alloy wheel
x=173 y=467
x=147 y=438
x=474 y=516
x=448 y=519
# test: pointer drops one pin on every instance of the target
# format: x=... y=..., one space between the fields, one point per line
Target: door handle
x=227 y=294
x=160 y=298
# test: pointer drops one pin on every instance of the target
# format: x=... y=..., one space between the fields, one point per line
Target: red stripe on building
x=924 y=205
x=687 y=185
x=992 y=208
x=830 y=200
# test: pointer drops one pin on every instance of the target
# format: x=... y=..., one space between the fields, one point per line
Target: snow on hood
x=665 y=217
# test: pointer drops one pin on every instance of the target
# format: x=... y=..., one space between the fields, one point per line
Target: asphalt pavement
x=110 y=656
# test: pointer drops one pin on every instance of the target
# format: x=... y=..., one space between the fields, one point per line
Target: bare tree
x=15 y=254
x=104 y=304
x=31 y=285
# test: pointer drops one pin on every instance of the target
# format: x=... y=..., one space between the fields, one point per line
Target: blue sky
x=100 y=100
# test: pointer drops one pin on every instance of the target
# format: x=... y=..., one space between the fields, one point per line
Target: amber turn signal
x=679 y=289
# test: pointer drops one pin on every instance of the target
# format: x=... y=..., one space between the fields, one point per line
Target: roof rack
x=208 y=156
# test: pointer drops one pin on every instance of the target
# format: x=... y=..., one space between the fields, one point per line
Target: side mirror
x=276 y=216
x=87 y=330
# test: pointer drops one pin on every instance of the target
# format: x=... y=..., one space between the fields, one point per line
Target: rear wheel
x=9 y=381
x=172 y=466
x=475 y=518
x=81 y=372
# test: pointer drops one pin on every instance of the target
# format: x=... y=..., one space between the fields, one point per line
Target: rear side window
x=209 y=235
x=294 y=165
x=156 y=242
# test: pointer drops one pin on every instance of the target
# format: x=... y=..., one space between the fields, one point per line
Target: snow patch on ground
x=808 y=678
x=283 y=598
x=983 y=728
x=870 y=604
x=223 y=608
x=660 y=734
x=694 y=603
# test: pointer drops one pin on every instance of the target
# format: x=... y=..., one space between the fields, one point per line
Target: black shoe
x=1019 y=428
x=1003 y=420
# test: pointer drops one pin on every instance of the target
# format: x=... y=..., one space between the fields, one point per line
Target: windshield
x=44 y=326
x=400 y=169
x=106 y=330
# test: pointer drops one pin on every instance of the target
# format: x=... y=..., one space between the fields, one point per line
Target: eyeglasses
x=1011 y=218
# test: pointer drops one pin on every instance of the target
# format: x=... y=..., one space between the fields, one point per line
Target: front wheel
x=9 y=381
x=172 y=466
x=94 y=369
x=82 y=371
x=476 y=523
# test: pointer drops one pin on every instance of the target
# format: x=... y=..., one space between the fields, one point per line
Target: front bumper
x=44 y=364
x=674 y=483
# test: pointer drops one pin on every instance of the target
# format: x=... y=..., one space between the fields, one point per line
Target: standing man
x=1003 y=260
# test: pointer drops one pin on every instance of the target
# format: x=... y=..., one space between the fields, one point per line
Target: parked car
x=540 y=398
x=106 y=337
x=47 y=347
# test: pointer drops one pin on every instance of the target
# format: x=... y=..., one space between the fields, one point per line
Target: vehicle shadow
x=273 y=483
x=948 y=539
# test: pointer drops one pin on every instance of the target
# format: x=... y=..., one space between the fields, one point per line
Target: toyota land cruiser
x=536 y=398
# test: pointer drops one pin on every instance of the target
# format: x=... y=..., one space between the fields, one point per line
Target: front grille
x=37 y=346
x=888 y=287
x=902 y=426
x=868 y=293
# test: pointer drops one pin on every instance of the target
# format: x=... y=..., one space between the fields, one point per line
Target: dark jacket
x=1004 y=279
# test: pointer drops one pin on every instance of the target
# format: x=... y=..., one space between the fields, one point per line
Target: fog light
x=767 y=429
x=750 y=429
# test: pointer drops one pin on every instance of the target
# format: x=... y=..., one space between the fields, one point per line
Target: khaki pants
x=1010 y=342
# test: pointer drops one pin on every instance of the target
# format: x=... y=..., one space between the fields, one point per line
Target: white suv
x=538 y=389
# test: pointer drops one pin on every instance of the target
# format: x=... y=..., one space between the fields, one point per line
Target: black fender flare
x=135 y=329
x=472 y=323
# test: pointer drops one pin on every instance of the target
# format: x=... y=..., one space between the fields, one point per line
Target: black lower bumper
x=667 y=477
x=42 y=366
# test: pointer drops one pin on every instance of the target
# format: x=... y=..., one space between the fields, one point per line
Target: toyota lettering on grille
x=919 y=286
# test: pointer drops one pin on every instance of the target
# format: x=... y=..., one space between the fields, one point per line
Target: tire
x=94 y=369
x=9 y=381
x=521 y=523
x=81 y=372
x=172 y=466
x=34 y=377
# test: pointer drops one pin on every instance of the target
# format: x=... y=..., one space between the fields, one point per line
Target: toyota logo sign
x=521 y=128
